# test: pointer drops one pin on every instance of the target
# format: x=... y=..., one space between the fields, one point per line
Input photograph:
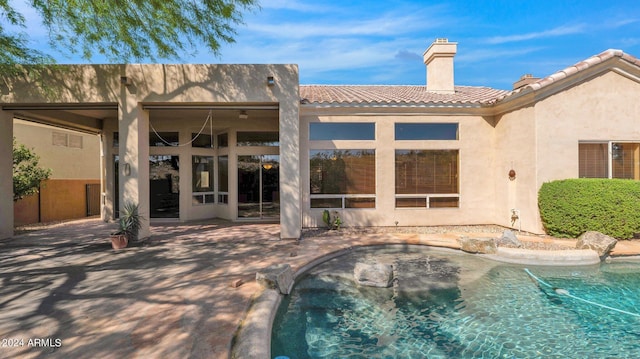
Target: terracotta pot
x=119 y=241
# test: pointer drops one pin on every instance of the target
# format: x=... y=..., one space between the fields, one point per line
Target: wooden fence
x=59 y=200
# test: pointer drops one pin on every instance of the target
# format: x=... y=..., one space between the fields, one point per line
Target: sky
x=382 y=42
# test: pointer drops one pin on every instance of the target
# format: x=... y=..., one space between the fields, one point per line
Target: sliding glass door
x=258 y=186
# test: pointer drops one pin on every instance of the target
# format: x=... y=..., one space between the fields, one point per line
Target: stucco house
x=248 y=142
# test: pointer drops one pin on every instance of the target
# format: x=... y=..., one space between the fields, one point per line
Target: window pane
x=360 y=203
x=258 y=139
x=197 y=199
x=441 y=202
x=223 y=140
x=426 y=131
x=426 y=171
x=341 y=131
x=202 y=169
x=593 y=160
x=201 y=140
x=163 y=139
x=343 y=171
x=326 y=203
x=223 y=174
x=411 y=202
x=624 y=160
x=116 y=139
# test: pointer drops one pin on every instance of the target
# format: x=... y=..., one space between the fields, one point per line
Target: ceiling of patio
x=90 y=118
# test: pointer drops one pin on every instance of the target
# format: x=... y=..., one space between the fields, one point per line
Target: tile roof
x=569 y=71
x=394 y=95
x=408 y=95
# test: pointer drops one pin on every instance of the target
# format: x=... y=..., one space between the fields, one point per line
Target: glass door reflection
x=258 y=186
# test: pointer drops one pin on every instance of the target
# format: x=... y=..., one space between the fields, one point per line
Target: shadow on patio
x=167 y=296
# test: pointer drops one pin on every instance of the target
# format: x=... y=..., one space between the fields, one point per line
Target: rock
x=478 y=245
x=236 y=283
x=509 y=239
x=596 y=241
x=277 y=276
x=373 y=275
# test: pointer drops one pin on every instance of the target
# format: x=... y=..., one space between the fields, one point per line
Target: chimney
x=524 y=81
x=439 y=61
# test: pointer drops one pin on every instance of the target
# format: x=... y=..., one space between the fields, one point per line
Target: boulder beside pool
x=478 y=245
x=277 y=276
x=373 y=274
x=596 y=241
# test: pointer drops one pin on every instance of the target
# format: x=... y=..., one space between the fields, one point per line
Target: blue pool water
x=446 y=304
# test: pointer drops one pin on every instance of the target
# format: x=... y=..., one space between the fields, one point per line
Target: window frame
x=344 y=198
x=426 y=124
x=611 y=148
x=427 y=197
x=201 y=197
x=342 y=131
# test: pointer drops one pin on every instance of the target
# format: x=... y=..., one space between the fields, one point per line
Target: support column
x=133 y=128
x=6 y=174
x=290 y=200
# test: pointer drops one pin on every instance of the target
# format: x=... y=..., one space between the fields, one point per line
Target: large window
x=159 y=139
x=593 y=160
x=609 y=160
x=202 y=168
x=329 y=131
x=201 y=140
x=625 y=158
x=427 y=178
x=223 y=140
x=426 y=131
x=342 y=178
x=268 y=138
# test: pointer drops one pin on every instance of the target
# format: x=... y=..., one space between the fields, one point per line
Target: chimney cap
x=441 y=47
x=525 y=80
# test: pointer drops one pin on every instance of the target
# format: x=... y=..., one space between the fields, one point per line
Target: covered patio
x=175 y=139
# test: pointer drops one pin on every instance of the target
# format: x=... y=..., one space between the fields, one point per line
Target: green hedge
x=571 y=207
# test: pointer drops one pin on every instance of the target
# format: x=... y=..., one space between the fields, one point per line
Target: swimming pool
x=447 y=304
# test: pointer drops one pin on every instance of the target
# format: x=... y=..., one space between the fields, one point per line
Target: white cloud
x=385 y=25
x=558 y=31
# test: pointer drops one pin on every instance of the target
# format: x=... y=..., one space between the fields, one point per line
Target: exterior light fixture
x=270 y=81
x=124 y=80
x=512 y=175
x=243 y=115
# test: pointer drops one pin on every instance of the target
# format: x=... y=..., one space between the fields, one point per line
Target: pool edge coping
x=253 y=338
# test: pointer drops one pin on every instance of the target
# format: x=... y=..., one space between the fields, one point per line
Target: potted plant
x=128 y=226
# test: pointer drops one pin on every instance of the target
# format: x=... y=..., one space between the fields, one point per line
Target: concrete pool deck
x=66 y=294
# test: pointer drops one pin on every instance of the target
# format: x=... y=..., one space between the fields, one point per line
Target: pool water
x=447 y=304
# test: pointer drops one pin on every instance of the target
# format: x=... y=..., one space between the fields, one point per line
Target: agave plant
x=130 y=220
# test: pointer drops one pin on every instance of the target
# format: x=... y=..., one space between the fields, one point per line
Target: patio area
x=170 y=296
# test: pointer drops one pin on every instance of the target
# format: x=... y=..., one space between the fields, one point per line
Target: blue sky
x=381 y=42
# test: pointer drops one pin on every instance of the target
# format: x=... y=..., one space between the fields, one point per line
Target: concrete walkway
x=66 y=294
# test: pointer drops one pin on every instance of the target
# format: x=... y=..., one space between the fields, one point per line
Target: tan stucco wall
x=65 y=162
x=604 y=108
x=475 y=175
x=6 y=182
x=514 y=143
x=540 y=140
